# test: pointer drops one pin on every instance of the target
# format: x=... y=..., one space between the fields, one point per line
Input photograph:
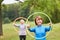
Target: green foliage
x=6 y=20
x=50 y=7
x=10 y=11
x=1 y=1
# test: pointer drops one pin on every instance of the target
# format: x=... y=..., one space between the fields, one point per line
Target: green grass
x=10 y=33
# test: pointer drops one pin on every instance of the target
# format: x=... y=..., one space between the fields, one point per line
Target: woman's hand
x=49 y=24
x=28 y=26
x=14 y=24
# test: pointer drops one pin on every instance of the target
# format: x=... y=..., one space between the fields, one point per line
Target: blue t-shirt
x=40 y=31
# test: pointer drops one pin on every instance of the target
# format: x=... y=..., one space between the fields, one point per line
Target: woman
x=39 y=29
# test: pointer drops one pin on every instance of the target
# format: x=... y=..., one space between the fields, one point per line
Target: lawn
x=10 y=33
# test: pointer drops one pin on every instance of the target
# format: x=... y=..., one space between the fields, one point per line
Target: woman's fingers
x=28 y=26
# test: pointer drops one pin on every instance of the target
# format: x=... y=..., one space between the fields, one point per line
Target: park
x=49 y=10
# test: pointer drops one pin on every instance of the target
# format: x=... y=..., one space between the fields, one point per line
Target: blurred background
x=14 y=10
x=11 y=9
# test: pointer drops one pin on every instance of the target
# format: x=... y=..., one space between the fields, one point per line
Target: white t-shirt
x=22 y=28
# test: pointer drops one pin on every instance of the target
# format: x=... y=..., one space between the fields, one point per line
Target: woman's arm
x=48 y=28
x=31 y=29
x=16 y=25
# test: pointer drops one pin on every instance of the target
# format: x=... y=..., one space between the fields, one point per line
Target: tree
x=1 y=33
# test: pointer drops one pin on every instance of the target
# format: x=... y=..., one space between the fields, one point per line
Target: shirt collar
x=39 y=25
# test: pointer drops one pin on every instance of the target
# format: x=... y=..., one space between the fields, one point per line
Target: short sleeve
x=47 y=28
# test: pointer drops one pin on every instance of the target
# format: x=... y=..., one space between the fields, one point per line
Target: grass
x=10 y=33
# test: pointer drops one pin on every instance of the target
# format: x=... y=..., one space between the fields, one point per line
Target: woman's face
x=22 y=21
x=39 y=21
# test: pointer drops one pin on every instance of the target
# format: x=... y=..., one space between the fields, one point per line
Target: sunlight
x=9 y=1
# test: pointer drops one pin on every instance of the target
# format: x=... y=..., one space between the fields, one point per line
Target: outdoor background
x=24 y=9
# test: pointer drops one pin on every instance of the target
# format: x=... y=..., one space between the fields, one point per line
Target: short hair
x=21 y=20
x=39 y=17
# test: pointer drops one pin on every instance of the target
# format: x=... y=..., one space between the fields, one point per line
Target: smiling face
x=38 y=20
